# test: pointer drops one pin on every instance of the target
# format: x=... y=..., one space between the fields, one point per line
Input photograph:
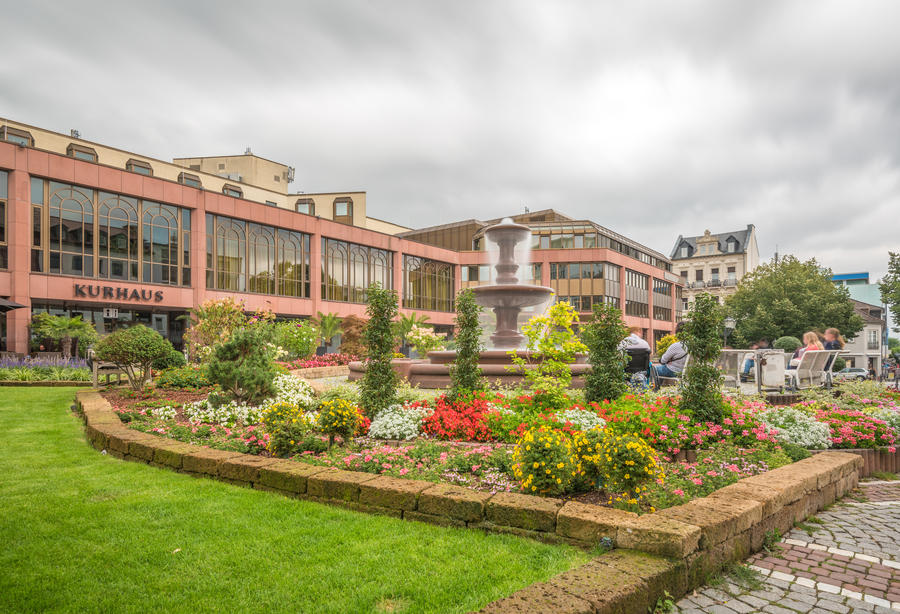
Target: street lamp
x=729 y=326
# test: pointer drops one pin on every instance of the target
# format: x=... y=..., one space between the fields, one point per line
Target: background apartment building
x=714 y=263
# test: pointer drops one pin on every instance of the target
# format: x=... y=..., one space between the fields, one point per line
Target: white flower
x=797 y=427
x=399 y=422
x=288 y=389
x=164 y=413
x=582 y=419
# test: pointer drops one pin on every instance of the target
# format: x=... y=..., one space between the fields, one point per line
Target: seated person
x=634 y=341
x=810 y=342
x=671 y=364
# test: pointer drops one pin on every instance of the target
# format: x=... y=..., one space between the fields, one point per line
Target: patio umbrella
x=6 y=305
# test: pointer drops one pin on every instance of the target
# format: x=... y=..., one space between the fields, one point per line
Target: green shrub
x=838 y=364
x=170 y=360
x=133 y=350
x=795 y=452
x=185 y=376
x=544 y=462
x=465 y=375
x=290 y=430
x=379 y=385
x=338 y=417
x=701 y=382
x=298 y=338
x=664 y=342
x=552 y=346
x=243 y=365
x=602 y=336
x=348 y=392
x=788 y=344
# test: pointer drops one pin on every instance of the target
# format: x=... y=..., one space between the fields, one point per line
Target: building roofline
x=247 y=155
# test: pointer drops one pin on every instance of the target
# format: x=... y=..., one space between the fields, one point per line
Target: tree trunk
x=66 y=346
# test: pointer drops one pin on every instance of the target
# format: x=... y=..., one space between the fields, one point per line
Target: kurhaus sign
x=121 y=294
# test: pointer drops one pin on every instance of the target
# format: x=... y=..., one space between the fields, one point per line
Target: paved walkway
x=846 y=559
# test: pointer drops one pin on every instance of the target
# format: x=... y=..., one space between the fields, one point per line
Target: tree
x=405 y=323
x=243 y=365
x=328 y=325
x=211 y=324
x=378 y=389
x=465 y=374
x=133 y=349
x=890 y=288
x=64 y=330
x=353 y=330
x=603 y=336
x=790 y=297
x=701 y=381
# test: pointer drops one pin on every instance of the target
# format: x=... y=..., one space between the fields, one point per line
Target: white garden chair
x=770 y=369
x=811 y=372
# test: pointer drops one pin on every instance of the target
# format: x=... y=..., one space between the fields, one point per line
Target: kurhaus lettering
x=121 y=294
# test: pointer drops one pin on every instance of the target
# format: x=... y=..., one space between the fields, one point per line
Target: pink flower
x=697 y=481
x=678 y=492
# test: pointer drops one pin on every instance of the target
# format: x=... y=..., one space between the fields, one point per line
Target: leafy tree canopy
x=890 y=288
x=790 y=297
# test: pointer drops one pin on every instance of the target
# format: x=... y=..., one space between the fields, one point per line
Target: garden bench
x=48 y=355
x=813 y=371
x=100 y=368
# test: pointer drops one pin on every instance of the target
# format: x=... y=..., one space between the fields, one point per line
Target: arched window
x=334 y=275
x=71 y=230
x=261 y=259
x=160 y=239
x=117 y=237
x=348 y=269
x=293 y=263
x=231 y=246
x=427 y=284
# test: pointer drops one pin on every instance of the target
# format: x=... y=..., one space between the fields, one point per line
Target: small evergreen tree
x=465 y=375
x=133 y=349
x=602 y=336
x=702 y=336
x=378 y=388
x=243 y=365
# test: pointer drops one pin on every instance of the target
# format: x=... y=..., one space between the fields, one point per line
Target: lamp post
x=729 y=326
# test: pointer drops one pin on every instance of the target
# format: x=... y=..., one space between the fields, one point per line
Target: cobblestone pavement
x=846 y=559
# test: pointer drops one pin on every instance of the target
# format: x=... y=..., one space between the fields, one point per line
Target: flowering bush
x=462 y=419
x=891 y=417
x=856 y=429
x=797 y=427
x=230 y=413
x=290 y=389
x=544 y=462
x=399 y=421
x=627 y=464
x=187 y=376
x=424 y=340
x=581 y=418
x=326 y=360
x=339 y=417
x=290 y=429
x=166 y=412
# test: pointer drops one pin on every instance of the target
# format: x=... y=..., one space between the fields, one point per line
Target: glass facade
x=92 y=233
x=167 y=323
x=637 y=294
x=348 y=269
x=662 y=300
x=247 y=257
x=427 y=284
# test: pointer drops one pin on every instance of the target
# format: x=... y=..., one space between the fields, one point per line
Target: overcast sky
x=653 y=119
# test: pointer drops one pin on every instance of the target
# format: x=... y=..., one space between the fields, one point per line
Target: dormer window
x=732 y=246
x=306 y=205
x=189 y=179
x=19 y=137
x=139 y=166
x=231 y=190
x=79 y=152
x=684 y=251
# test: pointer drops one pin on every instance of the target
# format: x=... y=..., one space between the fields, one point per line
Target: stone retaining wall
x=874 y=460
x=320 y=372
x=672 y=550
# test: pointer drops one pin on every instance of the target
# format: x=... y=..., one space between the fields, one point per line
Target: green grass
x=89 y=533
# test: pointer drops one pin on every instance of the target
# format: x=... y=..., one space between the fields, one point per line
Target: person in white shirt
x=671 y=364
x=634 y=341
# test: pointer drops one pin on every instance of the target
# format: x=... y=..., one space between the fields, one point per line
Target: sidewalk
x=846 y=559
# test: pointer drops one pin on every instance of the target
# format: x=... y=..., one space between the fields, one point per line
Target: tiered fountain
x=506 y=298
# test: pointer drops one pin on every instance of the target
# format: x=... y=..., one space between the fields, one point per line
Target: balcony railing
x=872 y=345
x=696 y=284
x=729 y=282
x=714 y=283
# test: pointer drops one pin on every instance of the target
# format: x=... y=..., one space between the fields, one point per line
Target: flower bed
x=481 y=441
x=44 y=370
x=326 y=360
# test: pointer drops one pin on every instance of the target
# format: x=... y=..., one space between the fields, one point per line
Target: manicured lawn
x=89 y=533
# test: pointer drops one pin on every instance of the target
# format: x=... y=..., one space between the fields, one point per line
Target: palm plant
x=63 y=329
x=328 y=325
x=405 y=323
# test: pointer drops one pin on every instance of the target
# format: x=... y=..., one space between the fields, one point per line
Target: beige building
x=246 y=177
x=866 y=349
x=714 y=263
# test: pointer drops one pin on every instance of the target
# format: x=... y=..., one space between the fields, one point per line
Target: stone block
x=540 y=597
x=606 y=588
x=143 y=448
x=771 y=499
x=206 y=460
x=337 y=484
x=659 y=535
x=660 y=574
x=394 y=493
x=171 y=453
x=119 y=439
x=454 y=502
x=243 y=468
x=718 y=518
x=590 y=523
x=523 y=511
x=288 y=476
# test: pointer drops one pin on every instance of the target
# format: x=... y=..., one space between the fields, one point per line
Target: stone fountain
x=506 y=298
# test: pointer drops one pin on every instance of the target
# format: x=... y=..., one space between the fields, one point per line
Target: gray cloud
x=654 y=119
